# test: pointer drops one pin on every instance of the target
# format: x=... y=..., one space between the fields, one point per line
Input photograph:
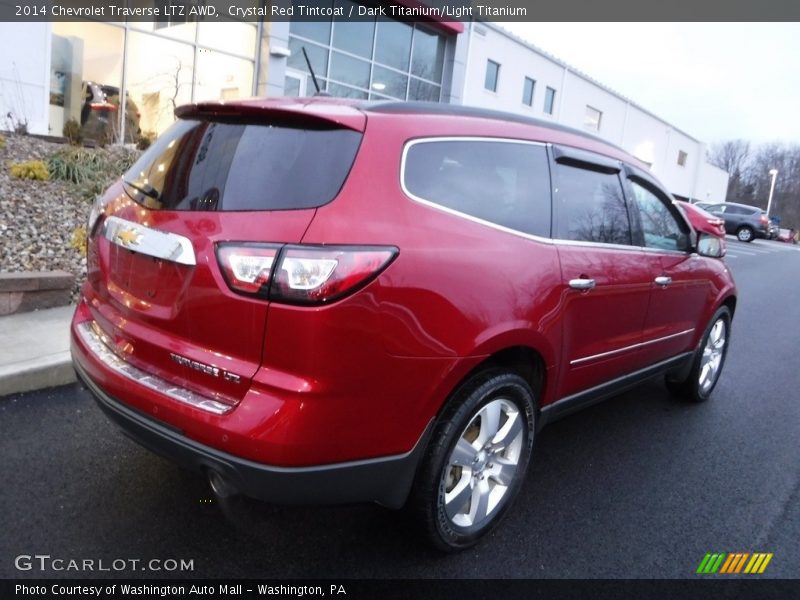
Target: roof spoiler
x=297 y=112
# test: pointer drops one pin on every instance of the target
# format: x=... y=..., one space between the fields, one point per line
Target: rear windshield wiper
x=146 y=189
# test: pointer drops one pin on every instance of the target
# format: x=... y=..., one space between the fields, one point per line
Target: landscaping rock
x=38 y=219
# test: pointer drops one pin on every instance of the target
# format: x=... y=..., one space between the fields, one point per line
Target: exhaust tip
x=221 y=487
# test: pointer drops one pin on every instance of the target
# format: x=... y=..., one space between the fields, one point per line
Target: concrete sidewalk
x=34 y=350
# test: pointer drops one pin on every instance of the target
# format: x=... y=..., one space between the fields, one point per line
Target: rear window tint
x=202 y=165
x=505 y=183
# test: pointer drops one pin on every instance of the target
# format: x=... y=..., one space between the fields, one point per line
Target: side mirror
x=710 y=245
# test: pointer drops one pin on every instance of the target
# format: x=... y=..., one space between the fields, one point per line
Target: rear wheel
x=477 y=460
x=708 y=360
x=744 y=234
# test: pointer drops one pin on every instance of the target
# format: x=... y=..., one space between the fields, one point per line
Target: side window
x=590 y=206
x=505 y=183
x=660 y=227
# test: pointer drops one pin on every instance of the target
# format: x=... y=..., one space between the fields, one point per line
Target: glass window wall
x=376 y=59
x=166 y=64
x=85 y=81
x=222 y=77
x=159 y=78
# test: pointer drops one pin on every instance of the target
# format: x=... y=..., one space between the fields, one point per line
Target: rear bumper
x=385 y=480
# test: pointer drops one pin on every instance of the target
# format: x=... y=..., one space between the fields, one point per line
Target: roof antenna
x=313 y=77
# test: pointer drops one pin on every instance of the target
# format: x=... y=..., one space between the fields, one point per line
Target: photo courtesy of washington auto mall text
x=177 y=590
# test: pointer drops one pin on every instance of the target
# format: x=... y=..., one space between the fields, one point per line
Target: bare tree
x=786 y=197
x=734 y=157
x=750 y=178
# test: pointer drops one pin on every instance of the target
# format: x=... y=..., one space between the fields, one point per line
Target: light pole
x=772 y=172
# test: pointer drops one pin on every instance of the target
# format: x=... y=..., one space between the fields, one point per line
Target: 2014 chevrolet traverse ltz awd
x=318 y=300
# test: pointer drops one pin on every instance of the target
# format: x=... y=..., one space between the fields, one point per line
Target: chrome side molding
x=152 y=242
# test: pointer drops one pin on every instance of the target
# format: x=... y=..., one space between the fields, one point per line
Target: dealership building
x=45 y=70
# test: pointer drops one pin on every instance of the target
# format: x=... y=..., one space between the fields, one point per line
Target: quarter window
x=590 y=206
x=505 y=183
x=661 y=229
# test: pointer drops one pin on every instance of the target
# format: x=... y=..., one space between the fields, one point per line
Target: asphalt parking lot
x=641 y=486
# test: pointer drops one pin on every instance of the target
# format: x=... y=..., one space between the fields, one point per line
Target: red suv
x=322 y=301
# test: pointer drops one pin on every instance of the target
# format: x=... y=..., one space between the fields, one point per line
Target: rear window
x=222 y=166
x=503 y=182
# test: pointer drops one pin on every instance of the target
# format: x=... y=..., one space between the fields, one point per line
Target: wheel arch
x=523 y=360
x=730 y=302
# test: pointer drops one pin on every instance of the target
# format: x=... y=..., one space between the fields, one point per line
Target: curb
x=34 y=350
x=35 y=374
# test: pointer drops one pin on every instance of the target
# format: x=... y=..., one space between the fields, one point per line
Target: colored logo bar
x=731 y=563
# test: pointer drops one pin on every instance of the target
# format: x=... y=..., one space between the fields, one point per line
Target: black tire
x=708 y=361
x=480 y=472
x=745 y=234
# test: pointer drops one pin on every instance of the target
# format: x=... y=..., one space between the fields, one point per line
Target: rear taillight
x=764 y=220
x=247 y=268
x=320 y=274
x=296 y=274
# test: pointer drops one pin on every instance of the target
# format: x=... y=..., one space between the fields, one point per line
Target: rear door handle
x=582 y=283
x=663 y=280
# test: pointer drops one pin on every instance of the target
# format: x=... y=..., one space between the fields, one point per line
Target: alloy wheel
x=713 y=352
x=483 y=463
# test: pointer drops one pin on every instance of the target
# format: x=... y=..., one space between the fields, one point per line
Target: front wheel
x=477 y=460
x=708 y=360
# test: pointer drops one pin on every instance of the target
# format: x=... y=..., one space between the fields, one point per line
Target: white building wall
x=515 y=64
x=623 y=123
x=712 y=184
x=682 y=178
x=576 y=94
x=25 y=75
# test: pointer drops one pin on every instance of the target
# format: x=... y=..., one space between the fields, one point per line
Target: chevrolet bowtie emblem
x=128 y=237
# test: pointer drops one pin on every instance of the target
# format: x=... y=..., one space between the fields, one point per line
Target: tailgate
x=156 y=287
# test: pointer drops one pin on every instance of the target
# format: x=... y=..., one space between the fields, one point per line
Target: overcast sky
x=715 y=81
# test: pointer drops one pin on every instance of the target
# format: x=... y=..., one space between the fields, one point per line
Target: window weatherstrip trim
x=522 y=234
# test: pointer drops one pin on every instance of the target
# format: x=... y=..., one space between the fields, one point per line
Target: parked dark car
x=322 y=301
x=100 y=115
x=742 y=220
